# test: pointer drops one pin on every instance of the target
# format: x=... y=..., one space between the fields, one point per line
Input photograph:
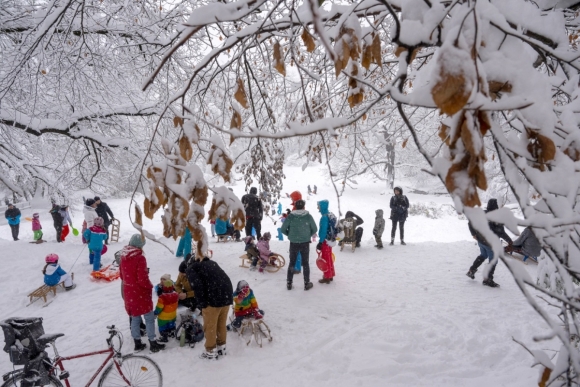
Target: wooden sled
x=258 y=329
x=43 y=291
x=276 y=262
x=224 y=238
x=115 y=230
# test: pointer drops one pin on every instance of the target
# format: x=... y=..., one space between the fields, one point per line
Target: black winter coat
x=104 y=211
x=399 y=207
x=253 y=206
x=497 y=229
x=12 y=213
x=210 y=284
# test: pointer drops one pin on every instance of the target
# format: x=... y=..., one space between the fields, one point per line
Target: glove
x=257 y=314
x=319 y=246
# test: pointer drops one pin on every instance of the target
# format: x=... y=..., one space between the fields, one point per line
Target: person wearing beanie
x=399 y=211
x=95 y=237
x=12 y=215
x=159 y=286
x=299 y=227
x=166 y=310
x=183 y=288
x=104 y=212
x=254 y=212
x=264 y=250
x=37 y=228
x=137 y=293
x=245 y=305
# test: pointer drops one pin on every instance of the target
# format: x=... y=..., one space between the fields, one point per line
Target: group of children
x=259 y=252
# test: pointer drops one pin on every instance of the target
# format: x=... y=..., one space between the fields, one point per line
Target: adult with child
x=399 y=212
x=138 y=292
x=254 y=212
x=326 y=264
x=104 y=212
x=213 y=290
x=485 y=250
x=299 y=227
x=12 y=215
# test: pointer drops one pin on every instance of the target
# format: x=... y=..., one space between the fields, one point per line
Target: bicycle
x=128 y=370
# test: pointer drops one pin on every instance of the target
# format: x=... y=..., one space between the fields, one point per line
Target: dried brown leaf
x=177 y=121
x=236 y=121
x=376 y=51
x=278 y=59
x=308 y=41
x=185 y=148
x=450 y=93
x=404 y=144
x=240 y=94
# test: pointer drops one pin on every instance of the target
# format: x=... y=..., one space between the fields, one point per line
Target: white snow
x=401 y=316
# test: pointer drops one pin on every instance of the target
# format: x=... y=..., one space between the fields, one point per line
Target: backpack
x=332 y=230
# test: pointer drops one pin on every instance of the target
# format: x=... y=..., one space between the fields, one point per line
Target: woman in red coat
x=137 y=292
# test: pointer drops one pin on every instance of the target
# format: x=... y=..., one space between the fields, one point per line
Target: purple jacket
x=264 y=249
x=36 y=224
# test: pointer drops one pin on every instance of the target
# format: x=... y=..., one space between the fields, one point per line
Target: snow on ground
x=405 y=315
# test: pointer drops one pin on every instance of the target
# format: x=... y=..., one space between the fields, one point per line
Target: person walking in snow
x=12 y=215
x=66 y=220
x=399 y=212
x=213 y=290
x=104 y=212
x=54 y=274
x=37 y=228
x=56 y=220
x=254 y=212
x=138 y=293
x=295 y=196
x=323 y=246
x=485 y=249
x=299 y=228
x=379 y=228
x=95 y=237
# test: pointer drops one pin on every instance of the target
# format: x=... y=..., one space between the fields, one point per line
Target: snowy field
x=402 y=316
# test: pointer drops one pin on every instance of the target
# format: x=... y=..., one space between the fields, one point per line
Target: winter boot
x=154 y=346
x=490 y=283
x=324 y=281
x=289 y=285
x=221 y=350
x=139 y=345
x=392 y=242
x=471 y=274
x=164 y=339
x=308 y=286
x=209 y=355
x=403 y=243
x=70 y=287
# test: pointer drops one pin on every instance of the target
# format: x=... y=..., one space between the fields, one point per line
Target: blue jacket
x=323 y=225
x=221 y=226
x=53 y=274
x=13 y=216
x=95 y=237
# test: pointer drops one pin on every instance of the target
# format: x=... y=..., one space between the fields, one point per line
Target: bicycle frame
x=59 y=360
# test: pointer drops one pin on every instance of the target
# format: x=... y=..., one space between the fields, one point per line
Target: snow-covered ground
x=402 y=316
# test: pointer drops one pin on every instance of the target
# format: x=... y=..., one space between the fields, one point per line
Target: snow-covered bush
x=431 y=210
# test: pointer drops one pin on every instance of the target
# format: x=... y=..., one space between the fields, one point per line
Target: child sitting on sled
x=166 y=310
x=265 y=253
x=245 y=305
x=37 y=228
x=252 y=251
x=54 y=274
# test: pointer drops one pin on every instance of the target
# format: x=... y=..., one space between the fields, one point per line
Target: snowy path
x=403 y=316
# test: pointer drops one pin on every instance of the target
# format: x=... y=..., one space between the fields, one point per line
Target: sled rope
x=73 y=265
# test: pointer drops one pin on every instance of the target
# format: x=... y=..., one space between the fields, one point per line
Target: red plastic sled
x=107 y=273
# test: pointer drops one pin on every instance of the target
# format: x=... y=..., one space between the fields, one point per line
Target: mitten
x=257 y=314
x=319 y=246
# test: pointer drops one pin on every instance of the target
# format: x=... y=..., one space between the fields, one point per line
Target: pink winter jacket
x=36 y=224
x=264 y=249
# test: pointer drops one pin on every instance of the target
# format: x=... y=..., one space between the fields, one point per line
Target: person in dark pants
x=299 y=227
x=358 y=233
x=399 y=213
x=13 y=214
x=56 y=221
x=485 y=249
x=254 y=212
x=104 y=211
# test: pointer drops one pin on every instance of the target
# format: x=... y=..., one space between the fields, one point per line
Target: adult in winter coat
x=226 y=228
x=527 y=244
x=104 y=212
x=485 y=249
x=327 y=265
x=56 y=221
x=13 y=214
x=254 y=212
x=213 y=290
x=138 y=292
x=379 y=228
x=399 y=212
x=299 y=227
x=184 y=246
x=66 y=220
x=358 y=233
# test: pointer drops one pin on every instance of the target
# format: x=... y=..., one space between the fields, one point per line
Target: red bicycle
x=126 y=371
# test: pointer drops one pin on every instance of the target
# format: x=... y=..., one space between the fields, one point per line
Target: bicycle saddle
x=48 y=338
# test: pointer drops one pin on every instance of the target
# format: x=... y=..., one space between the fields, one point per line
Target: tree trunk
x=390 y=166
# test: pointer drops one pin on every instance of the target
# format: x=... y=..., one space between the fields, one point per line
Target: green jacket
x=299 y=226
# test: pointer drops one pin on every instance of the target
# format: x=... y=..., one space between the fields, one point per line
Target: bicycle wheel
x=17 y=380
x=136 y=371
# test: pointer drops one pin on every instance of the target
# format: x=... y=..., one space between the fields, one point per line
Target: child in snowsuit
x=95 y=237
x=54 y=274
x=37 y=228
x=245 y=304
x=264 y=249
x=252 y=251
x=379 y=228
x=159 y=287
x=323 y=246
x=166 y=310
